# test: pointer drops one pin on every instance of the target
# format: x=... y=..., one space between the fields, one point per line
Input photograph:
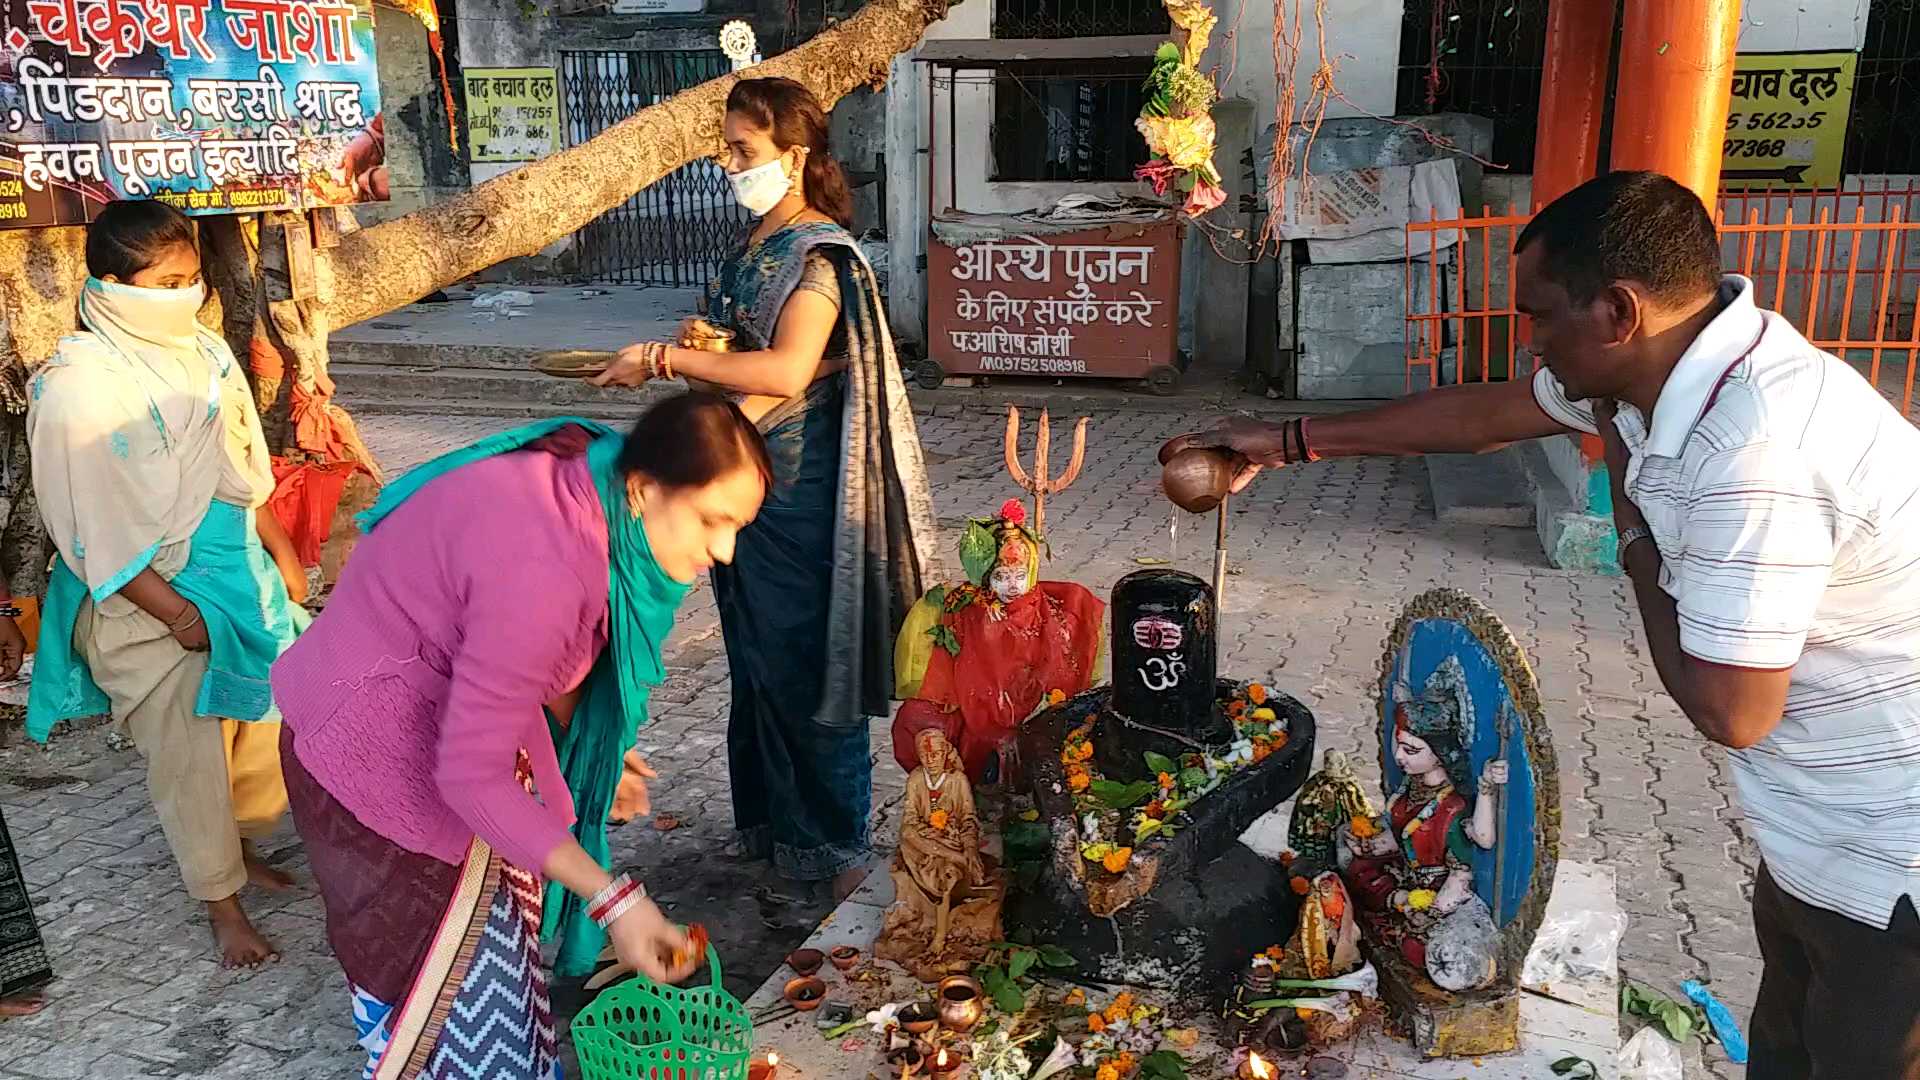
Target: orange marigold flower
x=1275 y=953
x=1096 y=1023
x=1156 y=810
x=938 y=819
x=1056 y=697
x=1117 y=860
x=1334 y=907
x=1363 y=827
x=1109 y=1071
x=1078 y=781
x=1166 y=780
x=1287 y=857
x=1262 y=750
x=1302 y=886
x=1256 y=693
x=1279 y=740
x=1086 y=750
x=1236 y=708
x=1120 y=1008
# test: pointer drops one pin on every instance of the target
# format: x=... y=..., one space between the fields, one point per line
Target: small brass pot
x=1196 y=479
x=962 y=1003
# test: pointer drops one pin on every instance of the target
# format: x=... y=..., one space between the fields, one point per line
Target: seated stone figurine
x=947 y=893
x=976 y=659
x=1411 y=874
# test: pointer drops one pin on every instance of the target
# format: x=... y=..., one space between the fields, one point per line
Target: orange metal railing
x=1842 y=266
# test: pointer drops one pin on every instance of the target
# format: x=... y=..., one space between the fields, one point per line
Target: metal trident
x=1039 y=485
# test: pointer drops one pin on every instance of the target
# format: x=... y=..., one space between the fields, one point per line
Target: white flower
x=882 y=1018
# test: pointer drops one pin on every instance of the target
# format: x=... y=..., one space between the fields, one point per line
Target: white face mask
x=761 y=188
x=160 y=316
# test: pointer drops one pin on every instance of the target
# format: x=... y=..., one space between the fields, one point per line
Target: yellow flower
x=1117 y=861
x=1263 y=714
x=1029 y=815
x=938 y=819
x=1186 y=142
x=1421 y=899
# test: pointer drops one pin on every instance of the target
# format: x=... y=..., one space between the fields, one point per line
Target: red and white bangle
x=618 y=898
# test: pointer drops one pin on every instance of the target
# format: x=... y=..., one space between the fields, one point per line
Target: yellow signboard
x=1787 y=126
x=513 y=114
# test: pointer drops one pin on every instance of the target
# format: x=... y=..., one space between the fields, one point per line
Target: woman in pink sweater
x=471 y=689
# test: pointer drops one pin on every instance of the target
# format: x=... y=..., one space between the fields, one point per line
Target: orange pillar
x=1676 y=81
x=1573 y=96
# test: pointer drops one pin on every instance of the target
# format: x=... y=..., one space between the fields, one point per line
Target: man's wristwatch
x=1628 y=537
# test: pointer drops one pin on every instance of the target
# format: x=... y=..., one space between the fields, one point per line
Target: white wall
x=1363 y=44
x=1803 y=25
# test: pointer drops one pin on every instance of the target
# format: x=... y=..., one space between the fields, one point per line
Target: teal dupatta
x=641 y=603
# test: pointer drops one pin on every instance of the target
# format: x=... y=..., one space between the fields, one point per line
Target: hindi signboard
x=513 y=114
x=1787 y=125
x=216 y=106
x=1101 y=302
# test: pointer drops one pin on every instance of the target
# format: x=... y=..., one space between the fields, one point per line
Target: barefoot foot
x=241 y=946
x=260 y=873
x=22 y=1005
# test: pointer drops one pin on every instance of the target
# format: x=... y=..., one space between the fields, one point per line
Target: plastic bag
x=504 y=303
x=1649 y=1056
x=1578 y=947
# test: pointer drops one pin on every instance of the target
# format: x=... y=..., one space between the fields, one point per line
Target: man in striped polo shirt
x=1768 y=506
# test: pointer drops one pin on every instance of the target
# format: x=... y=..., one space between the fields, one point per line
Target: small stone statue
x=947 y=894
x=1412 y=875
x=1329 y=799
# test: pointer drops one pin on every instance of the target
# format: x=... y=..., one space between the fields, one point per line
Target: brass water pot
x=1196 y=478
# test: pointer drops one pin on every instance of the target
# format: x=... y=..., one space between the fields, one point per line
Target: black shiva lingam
x=1145 y=788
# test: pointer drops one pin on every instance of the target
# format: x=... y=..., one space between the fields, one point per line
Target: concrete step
x=1481 y=489
x=387 y=388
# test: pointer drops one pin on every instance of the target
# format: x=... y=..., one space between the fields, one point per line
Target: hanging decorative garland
x=429 y=17
x=1177 y=120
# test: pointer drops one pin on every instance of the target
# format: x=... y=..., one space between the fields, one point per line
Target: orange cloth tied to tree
x=306 y=493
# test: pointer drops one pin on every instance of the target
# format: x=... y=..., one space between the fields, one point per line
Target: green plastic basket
x=643 y=1030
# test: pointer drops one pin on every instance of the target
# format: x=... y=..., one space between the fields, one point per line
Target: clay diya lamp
x=907 y=1059
x=844 y=957
x=961 y=1003
x=918 y=1018
x=948 y=1064
x=765 y=1069
x=1197 y=479
x=806 y=961
x=806 y=993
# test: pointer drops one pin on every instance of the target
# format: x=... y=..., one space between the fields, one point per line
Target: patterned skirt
x=23 y=956
x=442 y=962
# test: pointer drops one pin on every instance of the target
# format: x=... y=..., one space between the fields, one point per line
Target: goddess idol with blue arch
x=1446 y=878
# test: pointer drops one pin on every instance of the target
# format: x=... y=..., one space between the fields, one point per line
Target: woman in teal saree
x=843 y=545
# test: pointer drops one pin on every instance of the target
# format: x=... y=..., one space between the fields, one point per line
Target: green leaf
x=1674 y=1020
x=1120 y=796
x=1193 y=779
x=943 y=636
x=1167 y=51
x=1056 y=957
x=1006 y=995
x=1163 y=1065
x=1575 y=1068
x=1160 y=763
x=1021 y=962
x=979 y=550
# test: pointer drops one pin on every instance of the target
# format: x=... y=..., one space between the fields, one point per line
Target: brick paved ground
x=1324 y=557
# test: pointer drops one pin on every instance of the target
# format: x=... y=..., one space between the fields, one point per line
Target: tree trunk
x=393 y=264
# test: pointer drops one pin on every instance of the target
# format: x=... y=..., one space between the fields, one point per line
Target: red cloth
x=305 y=497
x=1430 y=839
x=914 y=717
x=1049 y=640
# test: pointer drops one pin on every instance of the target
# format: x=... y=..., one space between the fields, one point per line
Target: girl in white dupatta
x=165 y=607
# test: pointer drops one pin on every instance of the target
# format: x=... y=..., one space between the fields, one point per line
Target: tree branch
x=393 y=264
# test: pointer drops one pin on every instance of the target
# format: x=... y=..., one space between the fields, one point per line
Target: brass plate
x=572 y=363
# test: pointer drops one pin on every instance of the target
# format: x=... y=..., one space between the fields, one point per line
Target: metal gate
x=676 y=232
